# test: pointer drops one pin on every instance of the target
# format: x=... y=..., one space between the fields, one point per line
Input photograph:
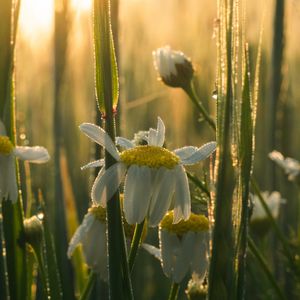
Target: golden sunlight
x=81 y=4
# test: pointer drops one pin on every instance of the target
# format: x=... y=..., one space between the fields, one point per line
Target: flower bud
x=33 y=229
x=174 y=68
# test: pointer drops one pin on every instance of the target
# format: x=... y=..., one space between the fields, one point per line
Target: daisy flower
x=92 y=235
x=259 y=219
x=8 y=153
x=289 y=165
x=153 y=175
x=183 y=247
x=174 y=68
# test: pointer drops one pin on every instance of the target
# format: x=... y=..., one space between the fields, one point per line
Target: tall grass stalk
x=221 y=275
x=12 y=214
x=61 y=239
x=107 y=92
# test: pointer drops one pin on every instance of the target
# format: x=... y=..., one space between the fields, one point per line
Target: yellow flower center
x=99 y=213
x=6 y=145
x=150 y=156
x=196 y=223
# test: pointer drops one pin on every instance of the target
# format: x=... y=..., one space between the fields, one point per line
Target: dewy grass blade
x=107 y=96
x=12 y=213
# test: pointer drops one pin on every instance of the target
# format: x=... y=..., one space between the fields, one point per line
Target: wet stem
x=190 y=90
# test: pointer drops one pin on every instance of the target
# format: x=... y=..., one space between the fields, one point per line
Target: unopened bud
x=33 y=229
x=174 y=68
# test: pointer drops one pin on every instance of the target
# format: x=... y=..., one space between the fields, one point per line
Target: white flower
x=273 y=201
x=174 y=68
x=152 y=174
x=289 y=165
x=183 y=247
x=92 y=235
x=8 y=153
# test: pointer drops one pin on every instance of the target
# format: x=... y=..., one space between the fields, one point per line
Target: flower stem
x=265 y=268
x=135 y=244
x=89 y=286
x=174 y=291
x=190 y=90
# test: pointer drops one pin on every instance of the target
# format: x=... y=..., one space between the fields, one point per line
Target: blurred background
x=55 y=76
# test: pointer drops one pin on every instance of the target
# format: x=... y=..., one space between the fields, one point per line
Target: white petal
x=94 y=164
x=185 y=152
x=8 y=179
x=152 y=137
x=98 y=135
x=201 y=154
x=163 y=190
x=35 y=154
x=274 y=202
x=152 y=250
x=137 y=193
x=125 y=143
x=170 y=246
x=2 y=128
x=80 y=233
x=199 y=255
x=160 y=138
x=107 y=183
x=184 y=256
x=182 y=203
x=94 y=249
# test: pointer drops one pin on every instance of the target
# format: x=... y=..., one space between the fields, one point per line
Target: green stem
x=190 y=90
x=174 y=291
x=89 y=286
x=135 y=244
x=260 y=259
x=198 y=183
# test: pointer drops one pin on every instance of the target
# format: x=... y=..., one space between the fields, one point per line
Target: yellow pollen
x=99 y=213
x=196 y=223
x=6 y=145
x=150 y=156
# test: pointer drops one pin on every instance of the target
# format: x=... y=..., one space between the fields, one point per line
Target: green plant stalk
x=198 y=183
x=107 y=96
x=221 y=272
x=89 y=286
x=12 y=213
x=190 y=90
x=265 y=268
x=173 y=291
x=135 y=244
x=246 y=158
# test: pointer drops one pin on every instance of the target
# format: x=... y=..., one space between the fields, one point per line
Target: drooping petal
x=170 y=246
x=94 y=249
x=137 y=193
x=152 y=250
x=8 y=180
x=125 y=143
x=201 y=154
x=35 y=154
x=184 y=256
x=107 y=183
x=98 y=135
x=199 y=255
x=182 y=202
x=163 y=190
x=94 y=164
x=161 y=129
x=80 y=233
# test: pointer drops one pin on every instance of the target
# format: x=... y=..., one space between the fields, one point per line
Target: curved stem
x=190 y=90
x=89 y=286
x=174 y=291
x=135 y=244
